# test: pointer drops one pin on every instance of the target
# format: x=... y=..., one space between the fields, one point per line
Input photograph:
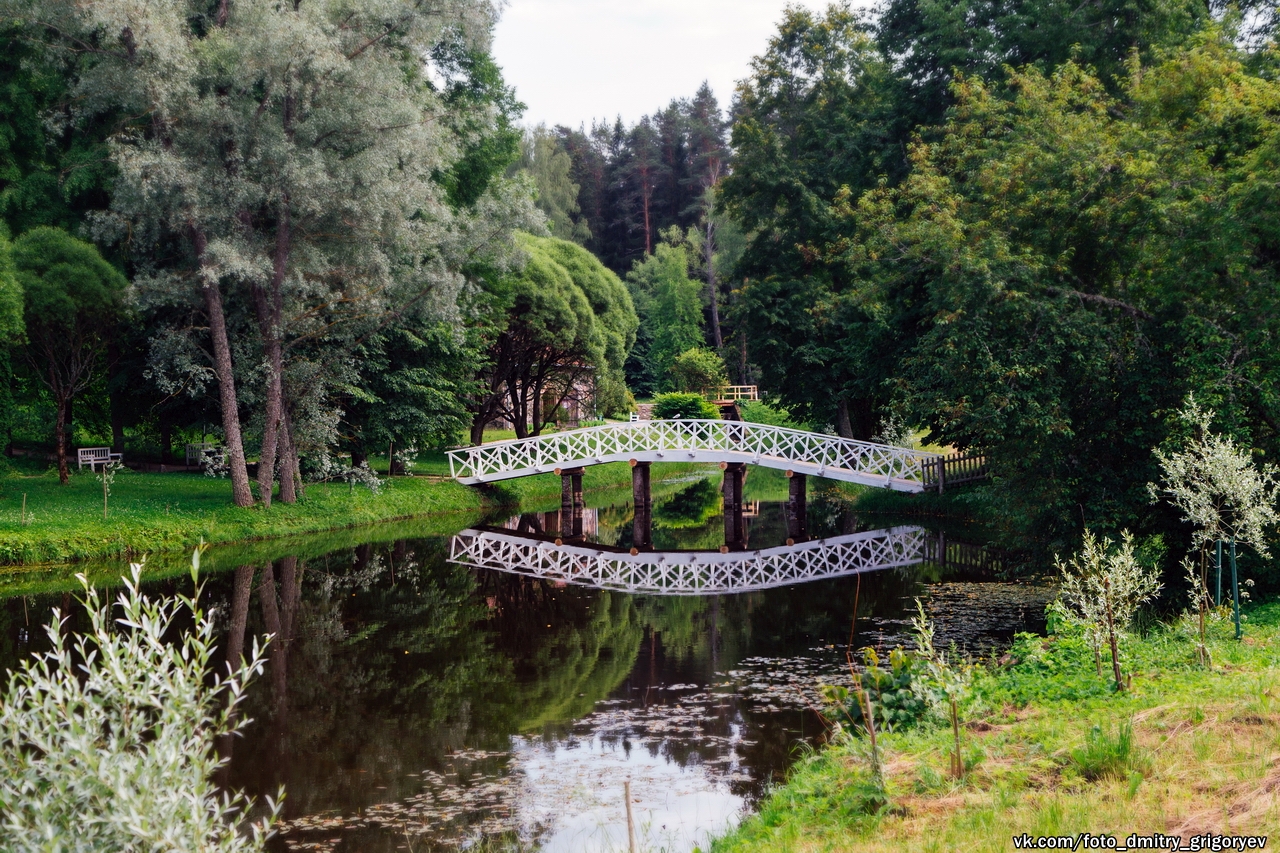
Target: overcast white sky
x=574 y=60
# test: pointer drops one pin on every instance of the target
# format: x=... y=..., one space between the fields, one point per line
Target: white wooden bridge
x=689 y=572
x=800 y=452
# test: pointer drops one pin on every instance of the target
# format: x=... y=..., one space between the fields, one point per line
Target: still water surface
x=411 y=703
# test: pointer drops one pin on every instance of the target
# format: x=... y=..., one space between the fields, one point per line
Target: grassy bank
x=1051 y=750
x=149 y=513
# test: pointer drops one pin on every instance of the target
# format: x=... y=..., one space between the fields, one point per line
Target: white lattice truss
x=689 y=573
x=696 y=441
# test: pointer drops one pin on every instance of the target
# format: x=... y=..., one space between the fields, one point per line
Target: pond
x=412 y=702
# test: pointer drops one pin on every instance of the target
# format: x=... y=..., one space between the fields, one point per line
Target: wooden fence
x=954 y=470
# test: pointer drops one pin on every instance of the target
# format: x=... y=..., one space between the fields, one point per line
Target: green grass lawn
x=172 y=512
x=1050 y=749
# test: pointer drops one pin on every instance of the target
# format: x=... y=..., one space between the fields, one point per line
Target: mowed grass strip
x=148 y=513
x=1047 y=756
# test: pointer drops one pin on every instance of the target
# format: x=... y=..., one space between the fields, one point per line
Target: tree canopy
x=564 y=332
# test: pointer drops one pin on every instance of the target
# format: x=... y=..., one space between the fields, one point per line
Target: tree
x=543 y=158
x=637 y=182
x=1217 y=486
x=814 y=116
x=313 y=174
x=107 y=742
x=932 y=43
x=1221 y=493
x=670 y=308
x=1062 y=265
x=1104 y=587
x=565 y=322
x=72 y=299
x=414 y=382
x=699 y=370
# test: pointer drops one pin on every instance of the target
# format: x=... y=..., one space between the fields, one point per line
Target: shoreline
x=140 y=521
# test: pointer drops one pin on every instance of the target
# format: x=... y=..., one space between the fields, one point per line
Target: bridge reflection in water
x=686 y=572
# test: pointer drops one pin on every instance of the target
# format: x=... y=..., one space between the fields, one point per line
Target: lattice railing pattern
x=696 y=440
x=689 y=573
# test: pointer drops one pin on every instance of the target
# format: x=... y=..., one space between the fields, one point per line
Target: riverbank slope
x=42 y=521
x=1051 y=750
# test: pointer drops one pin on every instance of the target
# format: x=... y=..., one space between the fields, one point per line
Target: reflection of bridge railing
x=689 y=572
x=828 y=456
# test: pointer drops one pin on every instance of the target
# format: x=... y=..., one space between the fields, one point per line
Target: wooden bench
x=196 y=452
x=93 y=456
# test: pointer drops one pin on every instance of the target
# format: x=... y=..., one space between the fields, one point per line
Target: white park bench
x=93 y=456
x=196 y=452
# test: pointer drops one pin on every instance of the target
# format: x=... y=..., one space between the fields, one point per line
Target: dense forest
x=1031 y=229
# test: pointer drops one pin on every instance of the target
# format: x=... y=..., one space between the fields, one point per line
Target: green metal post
x=1217 y=600
x=1235 y=587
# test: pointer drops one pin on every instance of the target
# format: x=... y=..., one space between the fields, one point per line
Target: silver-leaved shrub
x=107 y=742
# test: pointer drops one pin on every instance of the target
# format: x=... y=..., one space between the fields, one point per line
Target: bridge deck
x=689 y=573
x=795 y=450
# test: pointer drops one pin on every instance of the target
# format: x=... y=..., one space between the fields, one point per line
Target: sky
x=574 y=60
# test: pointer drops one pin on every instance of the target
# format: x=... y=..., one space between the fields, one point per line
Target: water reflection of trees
x=389 y=658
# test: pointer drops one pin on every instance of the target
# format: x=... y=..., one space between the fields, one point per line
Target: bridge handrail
x=825 y=455
x=690 y=573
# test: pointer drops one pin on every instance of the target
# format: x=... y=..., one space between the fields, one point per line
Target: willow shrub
x=107 y=742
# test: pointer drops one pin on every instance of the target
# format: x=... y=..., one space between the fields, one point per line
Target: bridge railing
x=690 y=573
x=737 y=393
x=696 y=440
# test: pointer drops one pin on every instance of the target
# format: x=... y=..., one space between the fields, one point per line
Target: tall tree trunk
x=272 y=413
x=60 y=437
x=69 y=424
x=269 y=307
x=290 y=473
x=537 y=407
x=648 y=235
x=519 y=393
x=713 y=287
x=240 y=491
x=843 y=426
x=742 y=358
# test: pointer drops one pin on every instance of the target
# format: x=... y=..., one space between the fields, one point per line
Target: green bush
x=699 y=369
x=760 y=412
x=681 y=405
x=897 y=692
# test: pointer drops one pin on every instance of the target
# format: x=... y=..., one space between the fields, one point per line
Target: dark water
x=411 y=703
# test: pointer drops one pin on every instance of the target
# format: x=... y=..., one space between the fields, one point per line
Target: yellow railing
x=733 y=392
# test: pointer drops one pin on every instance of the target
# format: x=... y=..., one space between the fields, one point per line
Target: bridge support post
x=735 y=529
x=797 y=508
x=571 y=502
x=642 y=500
